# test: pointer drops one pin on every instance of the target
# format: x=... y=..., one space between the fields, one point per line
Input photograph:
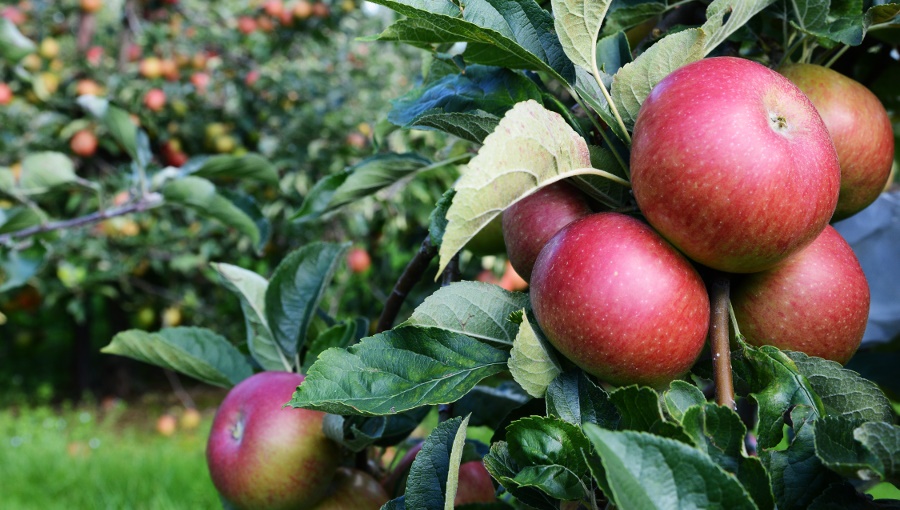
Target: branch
x=143 y=204
x=411 y=275
x=719 y=341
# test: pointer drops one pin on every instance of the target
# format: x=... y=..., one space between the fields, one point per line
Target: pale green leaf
x=531 y=362
x=578 y=24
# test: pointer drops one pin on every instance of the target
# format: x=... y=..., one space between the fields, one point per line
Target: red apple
x=619 y=301
x=731 y=163
x=321 y=10
x=84 y=143
x=200 y=81
x=88 y=88
x=487 y=276
x=303 y=9
x=246 y=25
x=13 y=14
x=155 y=100
x=6 y=94
x=91 y=6
x=94 y=55
x=261 y=455
x=511 y=280
x=816 y=302
x=151 y=68
x=358 y=260
x=273 y=8
x=251 y=78
x=531 y=222
x=860 y=128
x=166 y=425
x=353 y=490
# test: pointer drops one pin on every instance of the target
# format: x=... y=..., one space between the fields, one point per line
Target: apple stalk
x=719 y=341
x=411 y=275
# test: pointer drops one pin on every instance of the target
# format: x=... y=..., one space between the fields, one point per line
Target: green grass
x=86 y=459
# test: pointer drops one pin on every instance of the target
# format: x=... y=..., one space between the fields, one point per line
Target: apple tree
x=682 y=340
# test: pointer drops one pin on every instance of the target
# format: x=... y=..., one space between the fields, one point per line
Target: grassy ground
x=91 y=458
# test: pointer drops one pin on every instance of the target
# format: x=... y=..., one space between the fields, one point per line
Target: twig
x=147 y=202
x=182 y=395
x=411 y=275
x=719 y=341
x=451 y=273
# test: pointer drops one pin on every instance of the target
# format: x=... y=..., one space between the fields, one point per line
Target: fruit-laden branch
x=411 y=275
x=144 y=203
x=719 y=341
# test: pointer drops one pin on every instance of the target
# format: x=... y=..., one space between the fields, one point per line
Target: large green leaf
x=359 y=181
x=647 y=472
x=680 y=397
x=868 y=451
x=475 y=309
x=396 y=371
x=843 y=392
x=295 y=290
x=250 y=288
x=488 y=405
x=468 y=105
x=531 y=147
x=17 y=218
x=201 y=195
x=517 y=34
x=17 y=267
x=195 y=352
x=504 y=468
x=578 y=24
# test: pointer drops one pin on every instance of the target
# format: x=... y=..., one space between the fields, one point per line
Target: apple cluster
x=736 y=169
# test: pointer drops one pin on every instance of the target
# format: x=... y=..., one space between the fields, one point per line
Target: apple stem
x=408 y=279
x=719 y=340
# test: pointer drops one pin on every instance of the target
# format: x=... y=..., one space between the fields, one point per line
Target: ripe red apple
x=13 y=14
x=251 y=78
x=200 y=81
x=619 y=301
x=303 y=9
x=6 y=94
x=94 y=55
x=88 y=88
x=91 y=6
x=531 y=222
x=860 y=128
x=358 y=260
x=731 y=163
x=321 y=10
x=166 y=425
x=155 y=100
x=816 y=302
x=261 y=455
x=246 y=25
x=84 y=143
x=353 y=490
x=273 y=8
x=511 y=280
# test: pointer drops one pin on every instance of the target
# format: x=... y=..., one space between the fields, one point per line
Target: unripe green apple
x=261 y=455
x=619 y=301
x=531 y=222
x=860 y=128
x=816 y=302
x=732 y=164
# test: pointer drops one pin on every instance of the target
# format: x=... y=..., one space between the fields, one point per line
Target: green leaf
x=628 y=13
x=396 y=371
x=573 y=397
x=434 y=474
x=530 y=148
x=531 y=362
x=777 y=385
x=195 y=352
x=843 y=392
x=250 y=288
x=13 y=45
x=437 y=220
x=17 y=218
x=633 y=83
x=517 y=34
x=489 y=405
x=468 y=105
x=357 y=433
x=359 y=181
x=41 y=172
x=475 y=309
x=246 y=167
x=797 y=474
x=501 y=465
x=116 y=120
x=845 y=497
x=882 y=439
x=648 y=472
x=839 y=450
x=719 y=432
x=340 y=335
x=201 y=195
x=17 y=267
x=247 y=204
x=295 y=290
x=811 y=15
x=578 y=24
x=680 y=397
x=638 y=407
x=548 y=452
